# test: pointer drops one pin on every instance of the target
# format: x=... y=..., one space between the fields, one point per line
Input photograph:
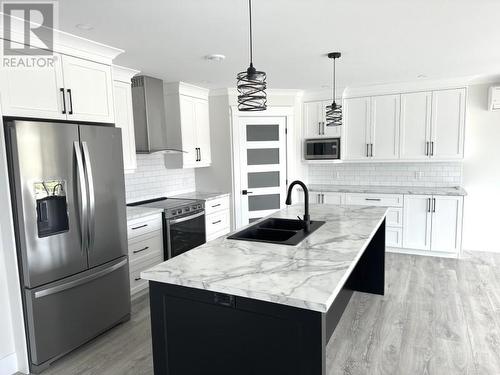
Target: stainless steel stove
x=183 y=223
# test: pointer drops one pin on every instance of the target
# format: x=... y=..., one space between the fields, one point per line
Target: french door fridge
x=68 y=199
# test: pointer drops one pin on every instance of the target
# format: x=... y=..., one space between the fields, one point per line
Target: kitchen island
x=240 y=307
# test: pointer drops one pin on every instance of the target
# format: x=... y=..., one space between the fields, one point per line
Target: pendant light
x=251 y=83
x=334 y=110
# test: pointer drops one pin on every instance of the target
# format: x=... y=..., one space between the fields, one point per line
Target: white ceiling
x=381 y=41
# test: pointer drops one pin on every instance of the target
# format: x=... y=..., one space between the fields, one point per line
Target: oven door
x=320 y=149
x=185 y=233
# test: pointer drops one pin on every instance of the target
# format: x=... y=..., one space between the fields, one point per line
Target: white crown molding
x=123 y=74
x=183 y=88
x=67 y=44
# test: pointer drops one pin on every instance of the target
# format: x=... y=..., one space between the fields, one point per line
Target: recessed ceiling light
x=215 y=57
x=84 y=26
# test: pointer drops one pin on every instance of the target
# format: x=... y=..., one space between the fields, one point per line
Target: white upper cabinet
x=356 y=140
x=33 y=92
x=188 y=126
x=411 y=126
x=315 y=121
x=384 y=142
x=89 y=89
x=448 y=124
x=415 y=125
x=203 y=132
x=72 y=89
x=124 y=116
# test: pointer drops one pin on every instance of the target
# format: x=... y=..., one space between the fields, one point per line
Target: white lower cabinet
x=433 y=223
x=327 y=198
x=145 y=248
x=217 y=217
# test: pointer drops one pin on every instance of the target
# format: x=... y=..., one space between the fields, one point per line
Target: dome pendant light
x=334 y=111
x=251 y=83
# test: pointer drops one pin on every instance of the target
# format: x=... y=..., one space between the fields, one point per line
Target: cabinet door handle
x=140 y=250
x=63 y=100
x=367 y=147
x=323 y=127
x=216 y=205
x=137 y=278
x=426 y=148
x=433 y=204
x=70 y=112
x=432 y=148
x=428 y=204
x=199 y=152
x=373 y=199
x=140 y=226
x=216 y=222
x=323 y=198
x=371 y=149
x=319 y=128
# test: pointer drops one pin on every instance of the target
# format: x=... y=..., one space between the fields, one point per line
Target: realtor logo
x=28 y=31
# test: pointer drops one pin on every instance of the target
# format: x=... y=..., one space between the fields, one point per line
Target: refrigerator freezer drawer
x=66 y=314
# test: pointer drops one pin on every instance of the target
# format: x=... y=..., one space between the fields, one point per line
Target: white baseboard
x=8 y=364
x=421 y=252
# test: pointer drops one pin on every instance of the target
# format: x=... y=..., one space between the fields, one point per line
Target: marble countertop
x=374 y=189
x=309 y=275
x=137 y=212
x=200 y=195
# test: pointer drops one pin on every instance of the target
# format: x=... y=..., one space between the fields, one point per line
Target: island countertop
x=308 y=276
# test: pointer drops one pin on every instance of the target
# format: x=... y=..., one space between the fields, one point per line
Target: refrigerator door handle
x=83 y=280
x=82 y=194
x=90 y=180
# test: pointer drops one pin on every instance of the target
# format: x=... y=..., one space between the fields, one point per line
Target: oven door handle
x=175 y=221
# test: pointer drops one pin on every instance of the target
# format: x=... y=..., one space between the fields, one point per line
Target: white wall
x=481 y=173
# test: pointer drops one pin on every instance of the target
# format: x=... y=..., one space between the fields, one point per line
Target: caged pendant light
x=251 y=83
x=334 y=110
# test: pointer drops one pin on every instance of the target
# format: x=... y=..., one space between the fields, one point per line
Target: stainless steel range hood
x=149 y=115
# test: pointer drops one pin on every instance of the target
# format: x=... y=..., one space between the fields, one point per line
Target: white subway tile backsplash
x=152 y=179
x=391 y=174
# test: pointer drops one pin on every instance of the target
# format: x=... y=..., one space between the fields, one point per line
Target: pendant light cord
x=251 y=46
x=334 y=81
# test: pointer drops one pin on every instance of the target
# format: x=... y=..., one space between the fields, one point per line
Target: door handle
x=246 y=192
x=432 y=148
x=83 y=280
x=428 y=204
x=140 y=250
x=433 y=204
x=70 y=112
x=367 y=149
x=63 y=100
x=90 y=180
x=82 y=194
x=371 y=149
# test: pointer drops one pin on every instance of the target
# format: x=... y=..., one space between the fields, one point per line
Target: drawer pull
x=137 y=278
x=216 y=222
x=216 y=205
x=373 y=199
x=140 y=250
x=140 y=226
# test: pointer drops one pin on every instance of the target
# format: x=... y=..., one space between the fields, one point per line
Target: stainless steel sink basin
x=276 y=230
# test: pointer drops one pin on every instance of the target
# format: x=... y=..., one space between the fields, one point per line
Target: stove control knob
x=179 y=211
x=173 y=212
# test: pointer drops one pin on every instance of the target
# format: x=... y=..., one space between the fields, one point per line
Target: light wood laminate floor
x=438 y=316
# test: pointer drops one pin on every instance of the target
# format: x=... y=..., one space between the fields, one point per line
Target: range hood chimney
x=149 y=115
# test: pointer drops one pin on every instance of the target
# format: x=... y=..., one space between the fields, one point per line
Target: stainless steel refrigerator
x=68 y=199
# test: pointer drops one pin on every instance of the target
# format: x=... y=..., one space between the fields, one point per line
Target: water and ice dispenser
x=51 y=207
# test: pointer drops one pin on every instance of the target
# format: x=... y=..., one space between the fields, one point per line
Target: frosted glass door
x=263 y=166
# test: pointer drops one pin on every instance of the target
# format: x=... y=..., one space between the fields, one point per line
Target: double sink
x=278 y=231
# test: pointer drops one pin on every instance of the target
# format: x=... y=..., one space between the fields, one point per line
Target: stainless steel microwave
x=322 y=149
